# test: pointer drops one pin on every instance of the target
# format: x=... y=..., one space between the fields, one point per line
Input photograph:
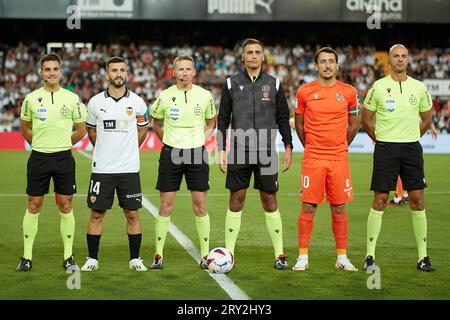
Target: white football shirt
x=116 y=121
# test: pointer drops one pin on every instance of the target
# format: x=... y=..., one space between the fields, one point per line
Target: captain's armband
x=354 y=111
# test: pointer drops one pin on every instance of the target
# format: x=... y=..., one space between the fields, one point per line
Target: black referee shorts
x=42 y=166
x=391 y=159
x=242 y=164
x=174 y=163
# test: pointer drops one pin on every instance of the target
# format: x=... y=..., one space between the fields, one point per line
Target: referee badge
x=390 y=105
x=174 y=113
x=41 y=113
x=129 y=111
x=413 y=100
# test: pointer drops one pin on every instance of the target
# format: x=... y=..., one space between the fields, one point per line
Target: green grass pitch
x=253 y=273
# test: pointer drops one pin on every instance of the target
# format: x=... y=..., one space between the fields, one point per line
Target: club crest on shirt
x=93 y=199
x=41 y=113
x=265 y=90
x=197 y=110
x=390 y=105
x=413 y=100
x=64 y=111
x=339 y=97
x=316 y=96
x=129 y=111
x=174 y=113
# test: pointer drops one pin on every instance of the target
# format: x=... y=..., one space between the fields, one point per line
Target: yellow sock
x=232 y=226
x=67 y=229
x=275 y=228
x=203 y=227
x=30 y=228
x=161 y=228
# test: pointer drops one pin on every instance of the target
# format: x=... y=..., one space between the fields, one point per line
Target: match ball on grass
x=220 y=260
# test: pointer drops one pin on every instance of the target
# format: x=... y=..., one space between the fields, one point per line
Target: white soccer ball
x=220 y=260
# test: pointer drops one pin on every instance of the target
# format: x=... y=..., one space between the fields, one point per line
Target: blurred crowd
x=150 y=71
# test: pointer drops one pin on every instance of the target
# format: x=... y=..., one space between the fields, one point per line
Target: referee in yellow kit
x=47 y=119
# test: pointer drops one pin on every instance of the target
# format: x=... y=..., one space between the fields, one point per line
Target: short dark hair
x=251 y=41
x=115 y=60
x=50 y=57
x=327 y=50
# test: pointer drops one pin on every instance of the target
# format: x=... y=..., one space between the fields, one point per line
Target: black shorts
x=264 y=165
x=174 y=163
x=392 y=159
x=101 y=191
x=58 y=165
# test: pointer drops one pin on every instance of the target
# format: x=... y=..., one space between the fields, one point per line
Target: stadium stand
x=150 y=70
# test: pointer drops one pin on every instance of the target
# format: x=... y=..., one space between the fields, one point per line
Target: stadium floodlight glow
x=51 y=45
x=55 y=44
x=79 y=45
x=68 y=45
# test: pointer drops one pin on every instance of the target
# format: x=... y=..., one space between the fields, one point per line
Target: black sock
x=93 y=241
x=135 y=245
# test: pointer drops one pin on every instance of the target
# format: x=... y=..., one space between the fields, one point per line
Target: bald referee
x=397 y=112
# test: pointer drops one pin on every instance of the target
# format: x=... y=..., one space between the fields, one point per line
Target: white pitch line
x=224 y=282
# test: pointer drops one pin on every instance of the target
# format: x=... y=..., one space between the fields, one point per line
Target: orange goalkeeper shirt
x=326 y=111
